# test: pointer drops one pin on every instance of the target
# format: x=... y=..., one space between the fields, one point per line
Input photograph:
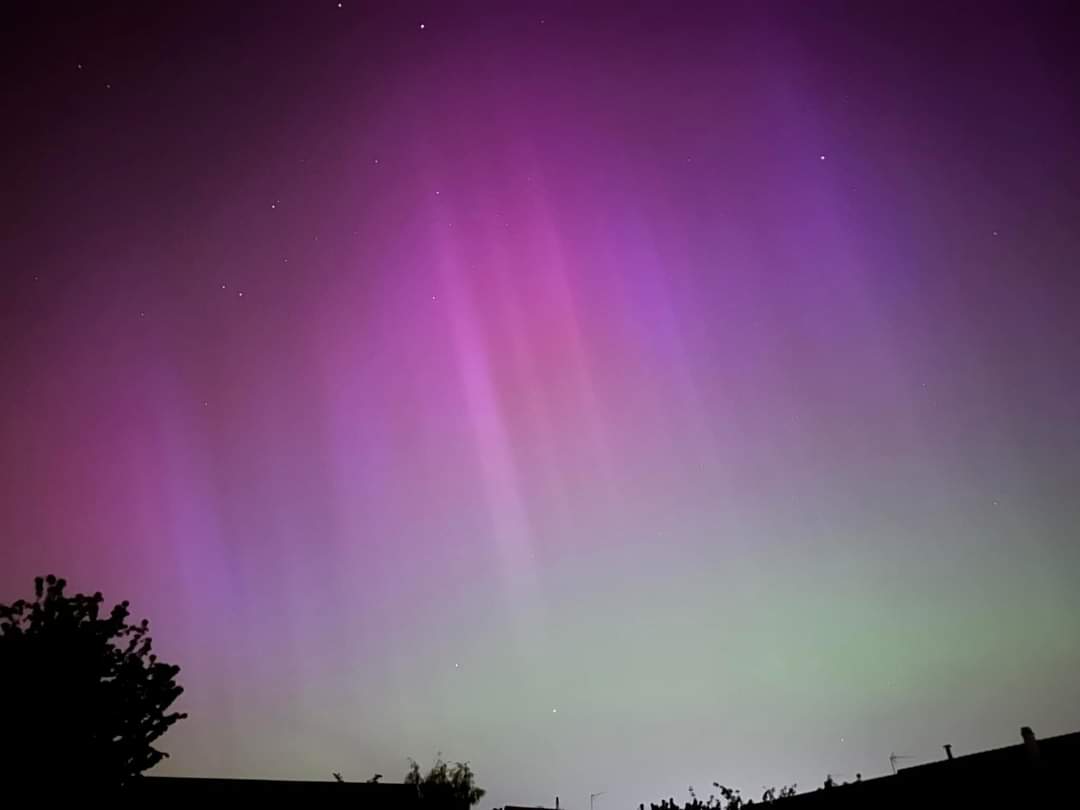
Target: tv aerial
x=894 y=758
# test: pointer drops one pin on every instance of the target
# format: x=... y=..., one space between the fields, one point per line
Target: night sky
x=616 y=397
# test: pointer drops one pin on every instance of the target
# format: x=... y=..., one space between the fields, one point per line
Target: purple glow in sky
x=616 y=397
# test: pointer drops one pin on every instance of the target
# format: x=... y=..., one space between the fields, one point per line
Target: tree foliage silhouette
x=445 y=785
x=728 y=799
x=83 y=696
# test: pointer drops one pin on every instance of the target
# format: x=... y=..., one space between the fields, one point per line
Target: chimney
x=948 y=751
x=556 y=803
x=1031 y=745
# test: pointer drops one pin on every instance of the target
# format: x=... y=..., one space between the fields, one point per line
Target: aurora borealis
x=619 y=397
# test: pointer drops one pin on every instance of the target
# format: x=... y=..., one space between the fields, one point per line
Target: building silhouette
x=1034 y=773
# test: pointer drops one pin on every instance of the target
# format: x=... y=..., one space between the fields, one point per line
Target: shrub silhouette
x=83 y=696
x=728 y=799
x=445 y=785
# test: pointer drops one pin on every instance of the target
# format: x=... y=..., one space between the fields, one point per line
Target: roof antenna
x=948 y=751
x=894 y=758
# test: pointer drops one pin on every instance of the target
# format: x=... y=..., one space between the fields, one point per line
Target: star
x=995 y=233
x=108 y=87
x=240 y=294
x=457 y=666
x=554 y=711
x=223 y=286
x=376 y=161
x=78 y=66
x=821 y=157
x=422 y=26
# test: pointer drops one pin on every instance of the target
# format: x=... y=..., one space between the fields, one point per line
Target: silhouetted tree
x=729 y=799
x=772 y=794
x=445 y=785
x=83 y=696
